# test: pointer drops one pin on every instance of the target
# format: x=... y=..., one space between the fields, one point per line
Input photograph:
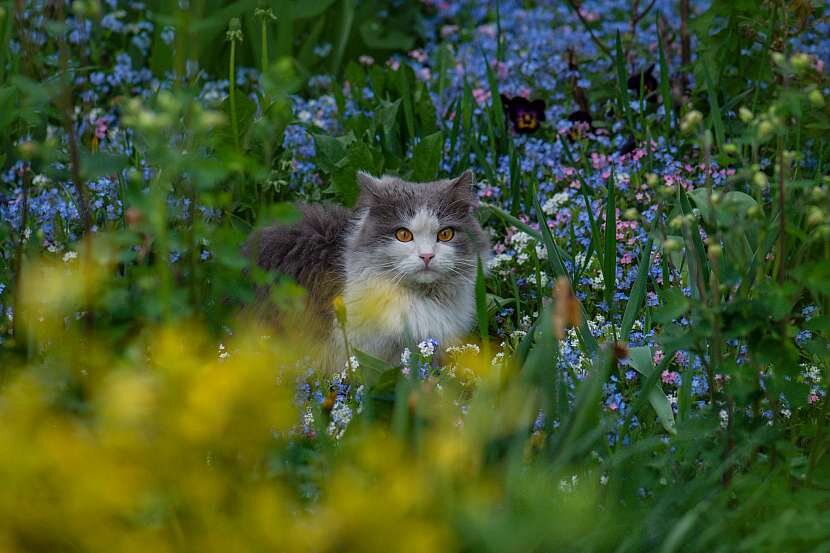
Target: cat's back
x=309 y=250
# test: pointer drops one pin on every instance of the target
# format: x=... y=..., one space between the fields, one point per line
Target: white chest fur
x=383 y=317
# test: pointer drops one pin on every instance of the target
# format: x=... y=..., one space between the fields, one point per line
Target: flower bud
x=340 y=310
x=671 y=245
x=691 y=120
x=730 y=149
x=27 y=149
x=765 y=129
x=631 y=214
x=760 y=179
x=715 y=251
x=745 y=115
x=651 y=179
x=816 y=98
x=778 y=58
x=800 y=61
x=816 y=216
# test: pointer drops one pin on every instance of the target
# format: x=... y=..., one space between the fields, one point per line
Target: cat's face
x=418 y=233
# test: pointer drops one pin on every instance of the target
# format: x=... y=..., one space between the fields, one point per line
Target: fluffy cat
x=404 y=261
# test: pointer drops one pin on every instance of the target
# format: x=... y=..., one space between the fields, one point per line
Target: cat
x=404 y=262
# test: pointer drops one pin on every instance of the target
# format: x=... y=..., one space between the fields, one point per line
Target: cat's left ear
x=369 y=189
x=462 y=187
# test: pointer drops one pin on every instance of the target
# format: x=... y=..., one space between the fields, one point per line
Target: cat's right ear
x=369 y=189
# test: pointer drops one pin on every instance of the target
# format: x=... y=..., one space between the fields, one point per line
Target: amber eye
x=446 y=234
x=404 y=235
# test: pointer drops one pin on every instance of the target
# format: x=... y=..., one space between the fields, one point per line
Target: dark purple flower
x=628 y=147
x=582 y=122
x=644 y=83
x=526 y=115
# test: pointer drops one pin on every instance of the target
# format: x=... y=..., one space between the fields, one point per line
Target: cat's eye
x=446 y=234
x=403 y=234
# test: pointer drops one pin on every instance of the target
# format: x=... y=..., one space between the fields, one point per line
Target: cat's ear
x=369 y=188
x=462 y=187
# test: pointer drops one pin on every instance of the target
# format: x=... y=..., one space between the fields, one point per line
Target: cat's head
x=418 y=232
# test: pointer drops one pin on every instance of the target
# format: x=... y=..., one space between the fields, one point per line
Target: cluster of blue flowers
x=545 y=52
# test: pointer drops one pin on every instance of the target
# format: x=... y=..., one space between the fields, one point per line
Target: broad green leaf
x=426 y=157
x=641 y=359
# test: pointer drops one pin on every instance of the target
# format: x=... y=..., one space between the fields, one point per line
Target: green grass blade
x=609 y=263
x=638 y=292
x=714 y=106
x=665 y=86
x=622 y=84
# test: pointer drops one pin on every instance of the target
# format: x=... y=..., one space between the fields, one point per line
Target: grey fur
x=332 y=251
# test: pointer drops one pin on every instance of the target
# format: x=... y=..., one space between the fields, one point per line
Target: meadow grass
x=649 y=365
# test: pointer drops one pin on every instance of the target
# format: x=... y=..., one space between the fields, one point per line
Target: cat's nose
x=427 y=257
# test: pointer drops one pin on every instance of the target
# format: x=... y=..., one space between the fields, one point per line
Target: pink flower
x=812 y=399
x=658 y=356
x=627 y=258
x=418 y=55
x=481 y=95
x=393 y=64
x=670 y=377
x=366 y=60
x=500 y=69
x=101 y=128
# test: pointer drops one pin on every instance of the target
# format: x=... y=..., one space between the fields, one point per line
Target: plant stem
x=782 y=226
x=264 y=27
x=232 y=79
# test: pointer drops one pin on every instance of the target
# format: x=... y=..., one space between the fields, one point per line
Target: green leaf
x=344 y=180
x=714 y=106
x=378 y=37
x=426 y=157
x=642 y=361
x=638 y=292
x=371 y=368
x=245 y=112
x=481 y=303
x=673 y=304
x=330 y=150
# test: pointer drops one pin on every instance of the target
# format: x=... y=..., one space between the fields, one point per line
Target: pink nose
x=427 y=257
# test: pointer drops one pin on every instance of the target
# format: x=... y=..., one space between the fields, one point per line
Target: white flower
x=223 y=354
x=497 y=261
x=553 y=204
x=69 y=256
x=603 y=480
x=352 y=363
x=427 y=347
x=522 y=258
x=405 y=357
x=520 y=240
